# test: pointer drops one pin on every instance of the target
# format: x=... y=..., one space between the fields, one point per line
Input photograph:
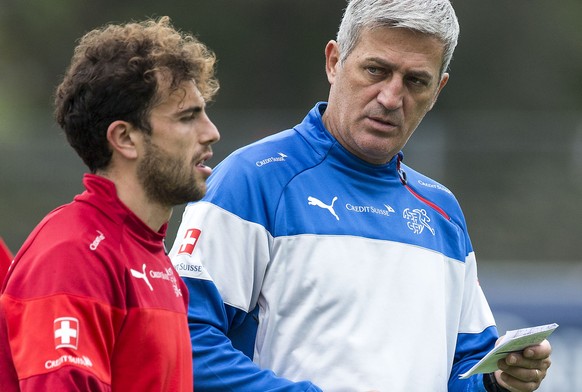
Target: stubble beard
x=167 y=181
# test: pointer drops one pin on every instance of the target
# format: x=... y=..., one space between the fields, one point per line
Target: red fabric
x=5 y=260
x=92 y=302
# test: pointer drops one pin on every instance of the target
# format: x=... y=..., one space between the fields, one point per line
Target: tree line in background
x=511 y=114
x=517 y=54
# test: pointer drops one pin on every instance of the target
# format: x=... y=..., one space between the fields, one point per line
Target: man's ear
x=122 y=138
x=331 y=60
x=442 y=84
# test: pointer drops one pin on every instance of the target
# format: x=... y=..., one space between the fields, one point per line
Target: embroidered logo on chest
x=417 y=220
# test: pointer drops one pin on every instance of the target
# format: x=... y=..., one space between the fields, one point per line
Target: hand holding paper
x=516 y=340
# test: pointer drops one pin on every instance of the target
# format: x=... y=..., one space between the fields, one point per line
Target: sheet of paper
x=513 y=341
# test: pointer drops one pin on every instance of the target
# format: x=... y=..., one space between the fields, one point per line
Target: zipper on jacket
x=404 y=181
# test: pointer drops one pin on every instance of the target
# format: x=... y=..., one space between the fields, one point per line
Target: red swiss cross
x=189 y=241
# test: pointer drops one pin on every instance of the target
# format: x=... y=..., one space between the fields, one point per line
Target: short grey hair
x=432 y=17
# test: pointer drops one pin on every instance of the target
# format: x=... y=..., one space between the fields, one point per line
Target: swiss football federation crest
x=189 y=241
x=66 y=332
x=417 y=220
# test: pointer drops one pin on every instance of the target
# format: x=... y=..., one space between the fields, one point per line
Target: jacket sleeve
x=477 y=332
x=224 y=277
x=470 y=349
x=41 y=349
x=472 y=384
x=217 y=364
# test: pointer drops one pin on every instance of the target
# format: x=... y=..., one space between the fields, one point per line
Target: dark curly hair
x=113 y=75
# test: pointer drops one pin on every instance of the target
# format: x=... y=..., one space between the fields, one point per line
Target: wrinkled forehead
x=386 y=36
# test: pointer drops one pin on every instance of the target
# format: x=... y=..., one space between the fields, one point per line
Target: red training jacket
x=92 y=303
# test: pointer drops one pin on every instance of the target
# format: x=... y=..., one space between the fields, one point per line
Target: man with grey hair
x=358 y=269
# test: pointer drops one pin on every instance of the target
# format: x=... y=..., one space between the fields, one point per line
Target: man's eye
x=418 y=82
x=189 y=117
x=374 y=70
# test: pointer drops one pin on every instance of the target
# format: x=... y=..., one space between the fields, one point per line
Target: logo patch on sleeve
x=189 y=242
x=66 y=332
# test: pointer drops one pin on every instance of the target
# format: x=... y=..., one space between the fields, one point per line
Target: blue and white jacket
x=362 y=277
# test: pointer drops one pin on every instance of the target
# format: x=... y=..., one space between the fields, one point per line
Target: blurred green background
x=505 y=136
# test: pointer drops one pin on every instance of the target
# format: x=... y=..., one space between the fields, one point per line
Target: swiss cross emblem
x=66 y=330
x=189 y=241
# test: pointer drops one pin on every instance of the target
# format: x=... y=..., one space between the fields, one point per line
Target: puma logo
x=142 y=275
x=316 y=202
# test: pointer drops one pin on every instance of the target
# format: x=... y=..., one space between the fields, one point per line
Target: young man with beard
x=361 y=269
x=92 y=301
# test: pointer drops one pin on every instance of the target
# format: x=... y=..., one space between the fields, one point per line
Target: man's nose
x=391 y=93
x=210 y=134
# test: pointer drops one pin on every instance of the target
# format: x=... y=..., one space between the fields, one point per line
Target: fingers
x=527 y=380
x=525 y=371
x=519 y=361
x=524 y=374
x=539 y=351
